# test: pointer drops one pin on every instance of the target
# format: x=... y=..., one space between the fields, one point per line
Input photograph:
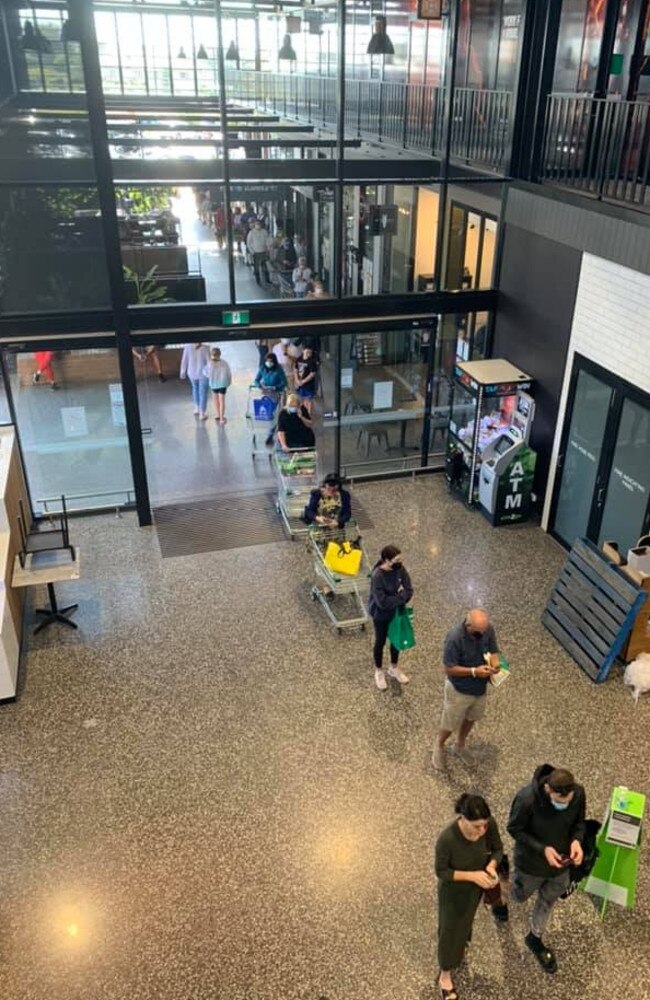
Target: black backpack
x=590 y=852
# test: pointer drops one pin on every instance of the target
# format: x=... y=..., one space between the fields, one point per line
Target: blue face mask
x=560 y=806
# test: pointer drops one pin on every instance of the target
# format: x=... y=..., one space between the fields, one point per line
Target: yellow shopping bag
x=343 y=558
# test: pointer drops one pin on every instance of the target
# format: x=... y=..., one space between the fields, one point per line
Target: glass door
x=580 y=456
x=625 y=502
x=603 y=491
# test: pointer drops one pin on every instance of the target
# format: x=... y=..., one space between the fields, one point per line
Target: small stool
x=379 y=433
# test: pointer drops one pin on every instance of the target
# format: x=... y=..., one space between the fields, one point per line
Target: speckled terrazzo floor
x=203 y=795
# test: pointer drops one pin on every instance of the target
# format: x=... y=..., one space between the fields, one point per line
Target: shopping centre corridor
x=204 y=797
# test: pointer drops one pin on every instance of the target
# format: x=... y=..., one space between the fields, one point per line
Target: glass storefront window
x=471 y=248
x=51 y=249
x=73 y=437
x=390 y=239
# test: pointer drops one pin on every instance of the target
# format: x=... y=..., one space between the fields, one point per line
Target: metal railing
x=49 y=504
x=598 y=146
x=406 y=115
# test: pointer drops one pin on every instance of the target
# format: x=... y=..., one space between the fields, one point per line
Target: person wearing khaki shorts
x=468 y=647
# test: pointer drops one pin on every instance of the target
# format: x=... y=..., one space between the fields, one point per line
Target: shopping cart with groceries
x=343 y=575
x=296 y=472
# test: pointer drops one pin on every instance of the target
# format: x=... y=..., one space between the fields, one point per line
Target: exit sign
x=242 y=317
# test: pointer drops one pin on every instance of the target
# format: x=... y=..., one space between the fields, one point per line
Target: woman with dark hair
x=468 y=853
x=390 y=589
x=329 y=505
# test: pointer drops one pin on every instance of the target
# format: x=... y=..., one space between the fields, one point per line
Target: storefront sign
x=118 y=416
x=429 y=10
x=74 y=421
x=382 y=395
x=515 y=489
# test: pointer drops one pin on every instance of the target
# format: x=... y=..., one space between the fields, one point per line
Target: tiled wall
x=611 y=326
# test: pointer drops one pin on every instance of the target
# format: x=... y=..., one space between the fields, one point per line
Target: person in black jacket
x=547 y=822
x=390 y=588
x=329 y=505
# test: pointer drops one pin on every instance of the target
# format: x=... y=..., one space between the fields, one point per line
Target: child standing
x=219 y=377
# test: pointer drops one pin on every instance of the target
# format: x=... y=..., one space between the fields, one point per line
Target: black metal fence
x=598 y=146
x=406 y=115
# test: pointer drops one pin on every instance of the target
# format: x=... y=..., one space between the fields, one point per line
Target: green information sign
x=613 y=877
x=240 y=317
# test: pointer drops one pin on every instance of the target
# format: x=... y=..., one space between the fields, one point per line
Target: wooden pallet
x=592 y=609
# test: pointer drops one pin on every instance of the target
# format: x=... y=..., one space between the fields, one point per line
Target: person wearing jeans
x=390 y=589
x=195 y=359
x=547 y=822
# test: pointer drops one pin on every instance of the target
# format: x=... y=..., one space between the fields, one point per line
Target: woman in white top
x=301 y=278
x=195 y=358
x=219 y=378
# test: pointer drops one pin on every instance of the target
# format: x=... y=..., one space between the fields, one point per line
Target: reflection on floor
x=205 y=798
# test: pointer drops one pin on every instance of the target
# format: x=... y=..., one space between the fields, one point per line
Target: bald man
x=471 y=656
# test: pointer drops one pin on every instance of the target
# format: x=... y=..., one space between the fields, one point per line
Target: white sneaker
x=380 y=680
x=398 y=674
x=463 y=754
x=438 y=759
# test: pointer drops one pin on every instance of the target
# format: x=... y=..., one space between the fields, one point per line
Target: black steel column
x=448 y=123
x=607 y=48
x=538 y=48
x=339 y=228
x=223 y=111
x=82 y=14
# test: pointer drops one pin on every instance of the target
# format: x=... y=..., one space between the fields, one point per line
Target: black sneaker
x=544 y=955
x=161 y=378
x=500 y=912
x=36 y=377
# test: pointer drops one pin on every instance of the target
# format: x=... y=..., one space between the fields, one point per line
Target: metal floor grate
x=223 y=522
x=228 y=521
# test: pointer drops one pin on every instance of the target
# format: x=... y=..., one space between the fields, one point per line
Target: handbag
x=264 y=408
x=400 y=630
x=343 y=558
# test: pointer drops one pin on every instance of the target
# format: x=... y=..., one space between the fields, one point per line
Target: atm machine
x=507 y=468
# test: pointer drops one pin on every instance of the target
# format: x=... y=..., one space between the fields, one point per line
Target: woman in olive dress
x=467 y=854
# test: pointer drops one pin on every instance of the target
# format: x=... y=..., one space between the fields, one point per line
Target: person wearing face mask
x=390 y=588
x=547 y=823
x=466 y=678
x=273 y=381
x=467 y=855
x=294 y=426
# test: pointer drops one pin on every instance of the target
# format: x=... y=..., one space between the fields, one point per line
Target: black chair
x=49 y=539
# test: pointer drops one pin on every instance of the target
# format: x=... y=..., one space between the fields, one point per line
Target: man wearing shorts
x=305 y=373
x=467 y=673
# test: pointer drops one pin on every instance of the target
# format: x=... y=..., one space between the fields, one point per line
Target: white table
x=49 y=568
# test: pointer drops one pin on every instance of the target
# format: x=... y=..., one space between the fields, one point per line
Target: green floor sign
x=613 y=877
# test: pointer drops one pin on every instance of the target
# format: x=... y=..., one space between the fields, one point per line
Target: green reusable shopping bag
x=400 y=630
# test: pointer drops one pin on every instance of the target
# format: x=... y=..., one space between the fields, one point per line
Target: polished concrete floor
x=204 y=796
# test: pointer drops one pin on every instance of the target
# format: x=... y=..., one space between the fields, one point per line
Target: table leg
x=54 y=613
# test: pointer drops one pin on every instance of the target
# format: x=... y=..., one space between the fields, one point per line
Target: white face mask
x=292 y=409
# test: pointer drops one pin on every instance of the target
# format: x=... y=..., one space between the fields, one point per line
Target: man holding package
x=470 y=659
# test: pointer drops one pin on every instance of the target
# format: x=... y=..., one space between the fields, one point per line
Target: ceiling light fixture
x=380 y=44
x=201 y=52
x=232 y=55
x=181 y=53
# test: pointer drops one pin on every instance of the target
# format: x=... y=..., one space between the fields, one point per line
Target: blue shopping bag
x=264 y=408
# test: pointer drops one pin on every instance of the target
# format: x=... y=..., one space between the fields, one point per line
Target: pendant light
x=380 y=44
x=201 y=53
x=287 y=51
x=70 y=31
x=232 y=55
x=181 y=53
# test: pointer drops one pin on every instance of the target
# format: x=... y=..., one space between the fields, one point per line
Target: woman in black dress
x=467 y=855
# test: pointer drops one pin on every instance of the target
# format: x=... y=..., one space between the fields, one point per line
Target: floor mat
x=228 y=521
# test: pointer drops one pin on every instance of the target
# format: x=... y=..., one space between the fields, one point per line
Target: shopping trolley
x=342 y=596
x=297 y=475
x=262 y=408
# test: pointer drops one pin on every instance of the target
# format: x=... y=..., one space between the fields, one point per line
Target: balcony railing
x=600 y=147
x=405 y=115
